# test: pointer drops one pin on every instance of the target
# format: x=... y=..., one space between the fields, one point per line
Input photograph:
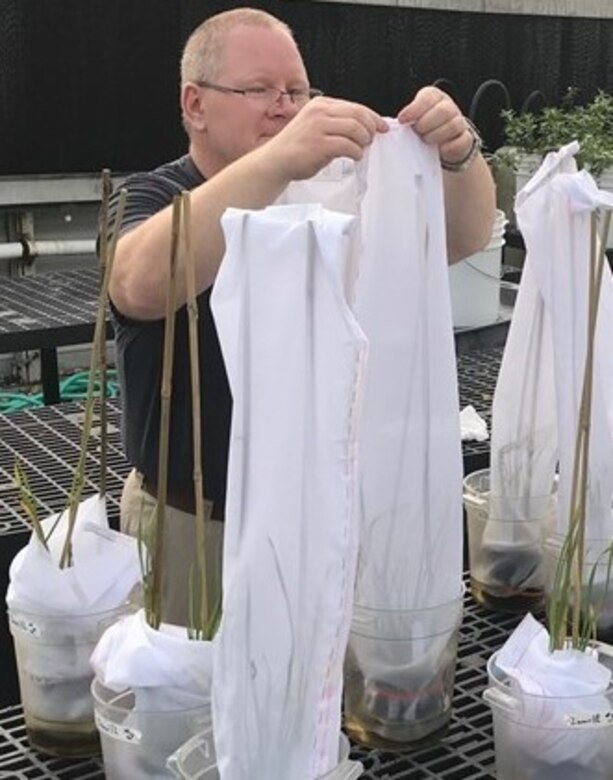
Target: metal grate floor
x=464 y=753
x=47 y=440
x=51 y=300
x=19 y=762
x=477 y=375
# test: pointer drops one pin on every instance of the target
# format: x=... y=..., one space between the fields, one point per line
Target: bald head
x=203 y=52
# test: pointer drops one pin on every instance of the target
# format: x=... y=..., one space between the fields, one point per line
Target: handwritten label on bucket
x=29 y=626
x=590 y=720
x=113 y=730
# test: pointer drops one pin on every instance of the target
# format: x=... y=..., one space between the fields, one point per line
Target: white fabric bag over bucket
x=539 y=385
x=408 y=598
x=524 y=446
x=151 y=692
x=552 y=709
x=554 y=212
x=410 y=445
x=294 y=357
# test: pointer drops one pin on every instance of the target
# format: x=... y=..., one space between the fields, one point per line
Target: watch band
x=475 y=148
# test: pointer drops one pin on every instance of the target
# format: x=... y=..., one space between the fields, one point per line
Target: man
x=254 y=125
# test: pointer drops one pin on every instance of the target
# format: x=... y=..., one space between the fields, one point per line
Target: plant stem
x=27 y=502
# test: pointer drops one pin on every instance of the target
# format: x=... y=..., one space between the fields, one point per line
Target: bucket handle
x=354 y=771
x=172 y=763
x=492 y=277
x=475 y=501
x=603 y=649
x=496 y=698
x=506 y=285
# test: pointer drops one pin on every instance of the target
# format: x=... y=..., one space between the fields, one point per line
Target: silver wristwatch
x=475 y=148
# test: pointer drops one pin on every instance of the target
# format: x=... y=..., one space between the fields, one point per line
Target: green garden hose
x=72 y=388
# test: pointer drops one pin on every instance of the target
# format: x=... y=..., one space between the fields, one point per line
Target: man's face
x=235 y=124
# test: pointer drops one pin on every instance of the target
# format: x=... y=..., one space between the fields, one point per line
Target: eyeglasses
x=298 y=96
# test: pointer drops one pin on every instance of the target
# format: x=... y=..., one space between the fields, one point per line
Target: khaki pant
x=138 y=511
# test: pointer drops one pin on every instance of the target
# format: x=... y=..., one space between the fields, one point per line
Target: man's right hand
x=324 y=129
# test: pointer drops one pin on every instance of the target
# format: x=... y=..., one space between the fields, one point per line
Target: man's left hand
x=438 y=120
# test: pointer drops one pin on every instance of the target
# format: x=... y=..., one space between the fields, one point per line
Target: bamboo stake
x=570 y=565
x=99 y=332
x=578 y=515
x=597 y=261
x=202 y=607
x=155 y=615
x=584 y=428
x=104 y=248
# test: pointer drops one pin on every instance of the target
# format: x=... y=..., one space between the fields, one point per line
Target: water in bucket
x=505 y=545
x=52 y=654
x=399 y=674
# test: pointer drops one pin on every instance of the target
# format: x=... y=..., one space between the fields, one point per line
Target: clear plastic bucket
x=136 y=744
x=196 y=760
x=55 y=676
x=399 y=674
x=549 y=737
x=505 y=545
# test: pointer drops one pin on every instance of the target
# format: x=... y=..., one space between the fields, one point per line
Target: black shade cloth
x=84 y=85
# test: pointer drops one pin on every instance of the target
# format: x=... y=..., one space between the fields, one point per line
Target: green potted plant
x=532 y=135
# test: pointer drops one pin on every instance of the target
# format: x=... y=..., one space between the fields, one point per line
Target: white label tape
x=28 y=626
x=115 y=731
x=590 y=720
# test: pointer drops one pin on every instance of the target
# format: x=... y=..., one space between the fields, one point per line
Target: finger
x=367 y=118
x=438 y=133
x=381 y=125
x=457 y=148
x=430 y=110
x=360 y=132
x=334 y=107
x=425 y=100
x=340 y=146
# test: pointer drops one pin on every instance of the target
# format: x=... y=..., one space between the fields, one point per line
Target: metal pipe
x=30 y=250
x=69 y=247
x=11 y=251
